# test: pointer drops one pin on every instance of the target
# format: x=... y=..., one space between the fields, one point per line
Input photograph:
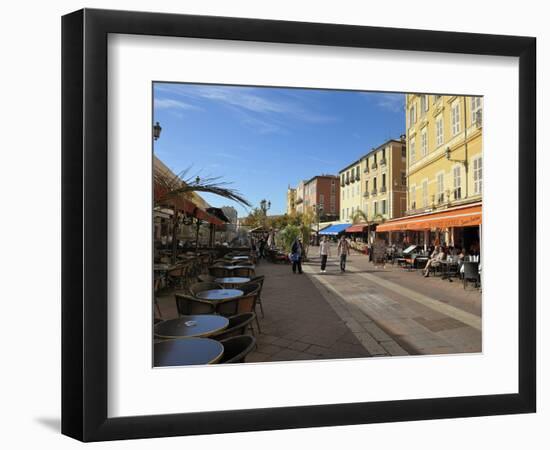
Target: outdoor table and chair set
x=414 y=258
x=216 y=314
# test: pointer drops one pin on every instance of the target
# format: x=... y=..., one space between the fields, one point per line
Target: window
x=375 y=208
x=321 y=200
x=383 y=180
x=403 y=152
x=347 y=213
x=423 y=105
x=412 y=151
x=367 y=186
x=343 y=217
x=478 y=176
x=352 y=210
x=424 y=142
x=457 y=183
x=425 y=193
x=455 y=117
x=439 y=130
x=374 y=183
x=333 y=187
x=475 y=107
x=440 y=188
x=412 y=115
x=384 y=207
x=403 y=178
x=412 y=197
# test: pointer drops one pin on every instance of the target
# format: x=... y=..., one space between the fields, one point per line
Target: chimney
x=403 y=137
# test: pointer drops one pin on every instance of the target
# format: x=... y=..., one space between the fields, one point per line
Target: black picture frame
x=84 y=224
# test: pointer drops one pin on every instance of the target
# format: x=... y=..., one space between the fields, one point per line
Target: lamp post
x=156 y=131
x=265 y=205
x=318 y=211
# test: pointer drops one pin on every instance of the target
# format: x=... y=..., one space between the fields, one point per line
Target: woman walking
x=296 y=256
x=324 y=252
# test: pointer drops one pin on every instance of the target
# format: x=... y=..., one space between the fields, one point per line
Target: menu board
x=379 y=251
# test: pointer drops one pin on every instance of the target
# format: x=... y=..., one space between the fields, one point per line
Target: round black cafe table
x=231 y=281
x=187 y=352
x=202 y=325
x=219 y=294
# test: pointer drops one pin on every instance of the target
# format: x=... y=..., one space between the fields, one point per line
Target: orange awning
x=464 y=216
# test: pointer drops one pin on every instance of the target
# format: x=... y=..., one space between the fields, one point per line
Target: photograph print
x=300 y=224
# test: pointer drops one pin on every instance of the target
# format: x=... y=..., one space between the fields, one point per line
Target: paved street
x=387 y=311
x=367 y=311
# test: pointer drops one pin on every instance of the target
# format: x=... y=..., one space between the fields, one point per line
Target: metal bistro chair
x=187 y=305
x=258 y=280
x=195 y=288
x=218 y=271
x=247 y=302
x=247 y=272
x=237 y=326
x=202 y=277
x=471 y=273
x=156 y=289
x=174 y=276
x=237 y=348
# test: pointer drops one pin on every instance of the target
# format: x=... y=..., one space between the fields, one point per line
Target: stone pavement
x=420 y=315
x=367 y=311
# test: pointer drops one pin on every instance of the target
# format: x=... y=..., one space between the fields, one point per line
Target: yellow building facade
x=351 y=190
x=444 y=172
x=384 y=181
x=291 y=201
x=375 y=184
x=444 y=141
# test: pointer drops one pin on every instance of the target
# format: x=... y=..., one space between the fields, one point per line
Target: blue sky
x=263 y=139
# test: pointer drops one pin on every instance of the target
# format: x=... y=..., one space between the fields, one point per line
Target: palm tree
x=182 y=185
x=359 y=216
x=170 y=188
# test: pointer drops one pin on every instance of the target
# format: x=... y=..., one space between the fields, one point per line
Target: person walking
x=296 y=255
x=324 y=252
x=343 y=252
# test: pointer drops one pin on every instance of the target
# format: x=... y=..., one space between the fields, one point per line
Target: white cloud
x=168 y=103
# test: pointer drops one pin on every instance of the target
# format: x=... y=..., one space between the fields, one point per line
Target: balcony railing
x=374 y=166
x=357 y=177
x=366 y=170
x=342 y=183
x=366 y=194
x=383 y=162
x=374 y=192
x=383 y=189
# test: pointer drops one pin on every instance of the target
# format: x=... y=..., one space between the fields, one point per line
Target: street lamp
x=318 y=211
x=448 y=156
x=265 y=205
x=156 y=131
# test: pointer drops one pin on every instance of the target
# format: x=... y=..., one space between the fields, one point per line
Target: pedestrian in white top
x=324 y=252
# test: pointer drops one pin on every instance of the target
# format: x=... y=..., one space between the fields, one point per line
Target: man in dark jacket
x=296 y=256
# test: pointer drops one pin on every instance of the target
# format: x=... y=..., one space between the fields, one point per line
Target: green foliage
x=359 y=216
x=288 y=235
